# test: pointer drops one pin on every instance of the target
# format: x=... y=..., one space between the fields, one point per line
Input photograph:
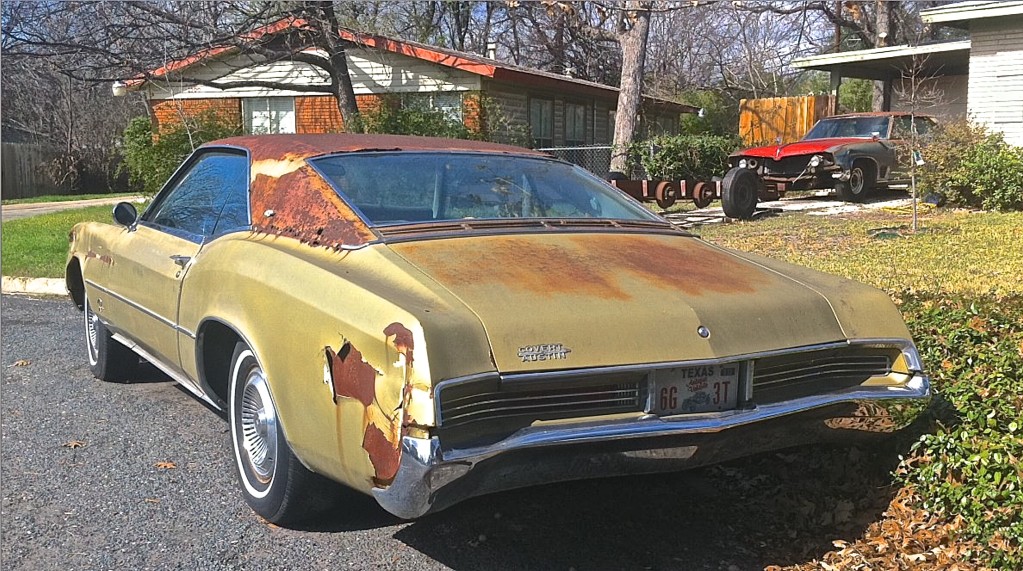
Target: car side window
x=211 y=197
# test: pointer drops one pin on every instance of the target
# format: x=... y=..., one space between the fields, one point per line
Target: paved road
x=15 y=211
x=82 y=490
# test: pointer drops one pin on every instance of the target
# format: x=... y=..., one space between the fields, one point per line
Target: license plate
x=704 y=388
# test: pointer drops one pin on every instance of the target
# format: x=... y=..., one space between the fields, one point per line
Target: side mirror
x=126 y=215
x=875 y=136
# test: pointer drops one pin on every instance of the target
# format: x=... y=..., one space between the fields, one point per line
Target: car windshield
x=408 y=187
x=864 y=127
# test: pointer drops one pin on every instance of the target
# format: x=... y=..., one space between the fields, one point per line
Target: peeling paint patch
x=351 y=375
x=275 y=168
x=304 y=206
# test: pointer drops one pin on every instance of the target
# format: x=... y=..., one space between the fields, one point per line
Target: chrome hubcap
x=259 y=426
x=91 y=333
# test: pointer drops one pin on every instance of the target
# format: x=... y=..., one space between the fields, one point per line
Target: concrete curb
x=34 y=286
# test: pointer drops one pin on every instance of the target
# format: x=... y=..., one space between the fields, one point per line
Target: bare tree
x=634 y=29
x=104 y=42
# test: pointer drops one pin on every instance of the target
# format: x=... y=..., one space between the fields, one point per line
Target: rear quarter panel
x=319 y=319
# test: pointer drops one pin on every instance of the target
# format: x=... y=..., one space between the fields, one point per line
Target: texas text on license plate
x=702 y=388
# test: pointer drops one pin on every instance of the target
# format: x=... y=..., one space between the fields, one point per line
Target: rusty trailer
x=667 y=192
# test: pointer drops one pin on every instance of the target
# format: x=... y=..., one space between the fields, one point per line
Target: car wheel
x=857 y=187
x=109 y=360
x=739 y=193
x=274 y=482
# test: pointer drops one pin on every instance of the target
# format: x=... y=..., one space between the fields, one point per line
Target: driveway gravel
x=138 y=476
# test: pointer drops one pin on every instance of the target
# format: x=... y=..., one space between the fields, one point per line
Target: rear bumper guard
x=431 y=478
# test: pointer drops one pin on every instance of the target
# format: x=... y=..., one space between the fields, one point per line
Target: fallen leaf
x=73 y=444
x=22 y=363
x=166 y=465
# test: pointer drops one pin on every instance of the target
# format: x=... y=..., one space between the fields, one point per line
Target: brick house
x=555 y=110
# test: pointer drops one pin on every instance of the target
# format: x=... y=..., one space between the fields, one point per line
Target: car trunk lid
x=563 y=300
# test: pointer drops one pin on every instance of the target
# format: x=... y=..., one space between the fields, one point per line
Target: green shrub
x=970 y=466
x=685 y=156
x=720 y=113
x=150 y=161
x=412 y=118
x=973 y=168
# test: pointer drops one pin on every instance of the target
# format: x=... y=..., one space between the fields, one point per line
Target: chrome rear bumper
x=431 y=478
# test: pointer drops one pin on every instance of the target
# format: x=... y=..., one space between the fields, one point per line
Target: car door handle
x=181 y=260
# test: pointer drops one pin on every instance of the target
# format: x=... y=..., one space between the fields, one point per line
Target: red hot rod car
x=853 y=154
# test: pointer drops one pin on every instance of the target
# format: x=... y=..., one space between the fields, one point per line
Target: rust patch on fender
x=351 y=376
x=590 y=265
x=403 y=341
x=383 y=454
x=104 y=259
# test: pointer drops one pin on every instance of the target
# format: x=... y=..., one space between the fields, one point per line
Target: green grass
x=954 y=252
x=36 y=246
x=958 y=284
x=64 y=197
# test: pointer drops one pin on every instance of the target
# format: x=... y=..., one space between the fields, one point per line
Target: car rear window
x=849 y=127
x=410 y=187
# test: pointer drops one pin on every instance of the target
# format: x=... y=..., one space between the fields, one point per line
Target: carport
x=946 y=63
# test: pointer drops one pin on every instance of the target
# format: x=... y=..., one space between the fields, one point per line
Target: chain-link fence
x=595 y=159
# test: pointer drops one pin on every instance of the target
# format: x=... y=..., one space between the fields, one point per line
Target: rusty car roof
x=288 y=197
x=306 y=146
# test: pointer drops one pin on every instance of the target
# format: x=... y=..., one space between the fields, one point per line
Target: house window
x=575 y=125
x=541 y=122
x=265 y=115
x=448 y=103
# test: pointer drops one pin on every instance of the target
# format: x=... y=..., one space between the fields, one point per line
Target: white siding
x=372 y=71
x=943 y=97
x=996 y=76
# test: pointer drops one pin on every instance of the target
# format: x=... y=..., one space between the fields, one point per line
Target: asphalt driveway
x=138 y=476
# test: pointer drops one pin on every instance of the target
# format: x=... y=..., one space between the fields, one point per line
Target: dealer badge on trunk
x=546 y=352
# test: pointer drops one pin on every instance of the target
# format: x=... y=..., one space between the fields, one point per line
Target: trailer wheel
x=666 y=194
x=703 y=194
x=739 y=193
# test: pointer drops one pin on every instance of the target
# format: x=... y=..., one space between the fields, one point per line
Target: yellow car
x=427 y=320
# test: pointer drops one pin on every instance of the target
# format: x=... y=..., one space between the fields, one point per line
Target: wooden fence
x=23 y=171
x=762 y=121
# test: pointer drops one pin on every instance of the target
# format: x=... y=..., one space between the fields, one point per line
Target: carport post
x=886 y=94
x=836 y=82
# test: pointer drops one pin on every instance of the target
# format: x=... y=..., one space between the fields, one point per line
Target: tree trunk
x=633 y=40
x=343 y=90
x=340 y=79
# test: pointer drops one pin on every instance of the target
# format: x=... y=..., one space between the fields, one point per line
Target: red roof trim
x=448 y=58
x=420 y=52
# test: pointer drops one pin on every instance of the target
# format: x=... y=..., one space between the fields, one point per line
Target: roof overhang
x=961 y=13
x=929 y=60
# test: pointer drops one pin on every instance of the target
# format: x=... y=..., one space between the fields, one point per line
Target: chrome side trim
x=143 y=309
x=170 y=372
